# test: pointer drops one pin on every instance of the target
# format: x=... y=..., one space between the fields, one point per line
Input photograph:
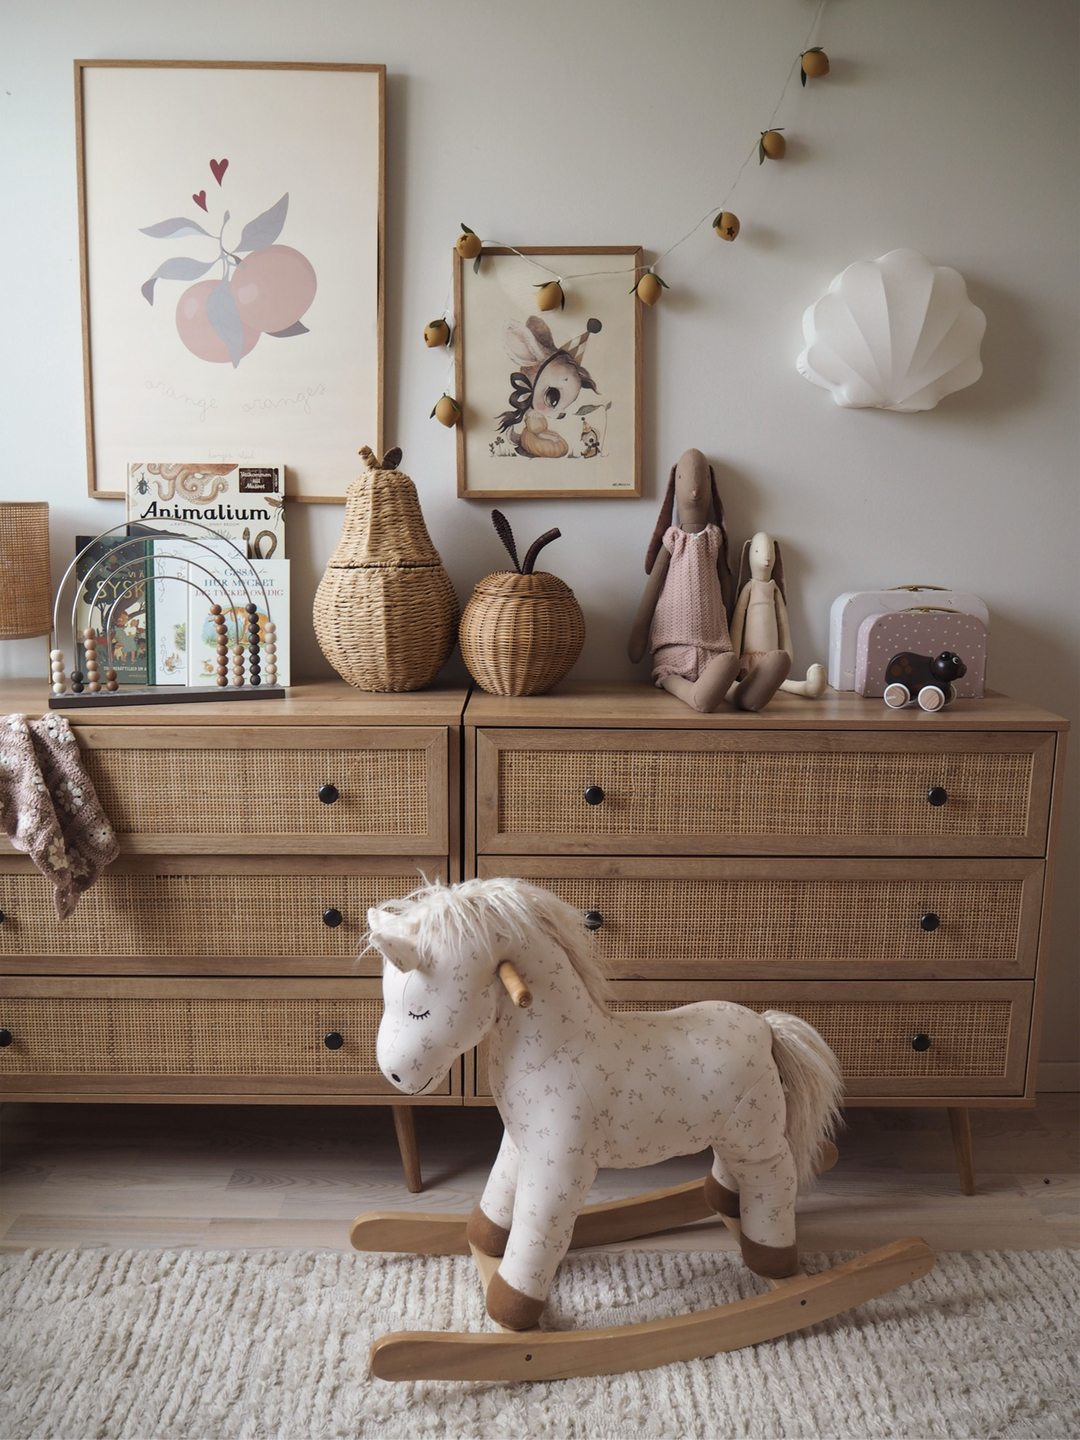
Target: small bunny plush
x=550 y=379
x=683 y=615
x=759 y=626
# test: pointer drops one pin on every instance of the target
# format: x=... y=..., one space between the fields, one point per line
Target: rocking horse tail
x=813 y=1088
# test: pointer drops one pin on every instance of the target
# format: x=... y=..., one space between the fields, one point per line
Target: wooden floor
x=260 y=1176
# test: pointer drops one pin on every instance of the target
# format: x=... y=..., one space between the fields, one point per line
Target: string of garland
x=811 y=63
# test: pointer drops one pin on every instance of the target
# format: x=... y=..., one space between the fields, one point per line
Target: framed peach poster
x=231 y=219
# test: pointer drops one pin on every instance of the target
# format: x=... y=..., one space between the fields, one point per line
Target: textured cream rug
x=273 y=1345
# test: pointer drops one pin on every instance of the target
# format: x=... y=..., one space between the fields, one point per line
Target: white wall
x=945 y=125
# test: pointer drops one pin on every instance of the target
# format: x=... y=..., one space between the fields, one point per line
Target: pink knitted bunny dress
x=690 y=624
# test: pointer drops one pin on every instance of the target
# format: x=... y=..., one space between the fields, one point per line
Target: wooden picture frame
x=273 y=344
x=579 y=437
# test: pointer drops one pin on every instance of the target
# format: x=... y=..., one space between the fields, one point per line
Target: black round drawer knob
x=920 y=1042
x=333 y=918
x=329 y=793
x=594 y=795
x=929 y=921
x=334 y=1041
x=937 y=795
x=6 y=1039
x=593 y=919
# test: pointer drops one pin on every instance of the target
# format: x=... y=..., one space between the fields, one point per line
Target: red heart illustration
x=200 y=198
x=218 y=168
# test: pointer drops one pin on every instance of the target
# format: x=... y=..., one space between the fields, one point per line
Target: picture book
x=188 y=578
x=243 y=502
x=169 y=611
x=265 y=583
x=112 y=598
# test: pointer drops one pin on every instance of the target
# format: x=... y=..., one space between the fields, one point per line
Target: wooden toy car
x=910 y=677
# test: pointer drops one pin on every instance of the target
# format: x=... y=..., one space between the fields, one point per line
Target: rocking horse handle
x=516 y=988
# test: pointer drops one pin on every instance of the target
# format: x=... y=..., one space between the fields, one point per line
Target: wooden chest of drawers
x=884 y=873
x=216 y=959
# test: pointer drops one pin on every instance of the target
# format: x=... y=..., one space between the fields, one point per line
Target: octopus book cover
x=240 y=500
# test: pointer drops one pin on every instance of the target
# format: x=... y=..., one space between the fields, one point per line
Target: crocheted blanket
x=49 y=808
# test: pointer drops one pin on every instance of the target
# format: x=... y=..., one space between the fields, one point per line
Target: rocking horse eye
x=422 y=1016
x=552 y=396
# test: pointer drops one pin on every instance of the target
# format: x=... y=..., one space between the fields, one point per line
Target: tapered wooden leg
x=960 y=1124
x=405 y=1127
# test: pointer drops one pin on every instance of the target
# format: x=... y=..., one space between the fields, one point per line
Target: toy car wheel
x=931 y=697
x=897 y=696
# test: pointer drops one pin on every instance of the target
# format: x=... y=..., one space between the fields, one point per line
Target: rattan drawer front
x=192 y=918
x=968 y=1042
x=203 y=789
x=703 y=919
x=977 y=1033
x=194 y=1041
x=762 y=792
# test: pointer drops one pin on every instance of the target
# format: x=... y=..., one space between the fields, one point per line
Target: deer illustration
x=550 y=379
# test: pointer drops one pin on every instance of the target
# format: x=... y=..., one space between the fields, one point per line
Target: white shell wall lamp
x=896 y=333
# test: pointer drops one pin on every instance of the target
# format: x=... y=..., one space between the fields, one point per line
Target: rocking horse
x=579 y=1087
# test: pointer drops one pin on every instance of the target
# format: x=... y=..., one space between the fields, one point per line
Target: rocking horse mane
x=507 y=910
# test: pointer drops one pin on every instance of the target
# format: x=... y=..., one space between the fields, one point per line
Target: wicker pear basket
x=522 y=630
x=385 y=612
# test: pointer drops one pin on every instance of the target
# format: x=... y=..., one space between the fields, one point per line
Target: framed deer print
x=550 y=399
x=231 y=219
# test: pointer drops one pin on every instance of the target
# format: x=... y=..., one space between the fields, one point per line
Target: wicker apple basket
x=385 y=612
x=522 y=630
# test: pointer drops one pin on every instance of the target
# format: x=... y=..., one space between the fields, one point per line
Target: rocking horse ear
x=394 y=938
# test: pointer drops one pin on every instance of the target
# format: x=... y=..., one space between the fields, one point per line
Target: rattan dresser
x=216 y=959
x=884 y=873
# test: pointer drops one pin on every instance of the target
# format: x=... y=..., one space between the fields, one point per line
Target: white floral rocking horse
x=579 y=1087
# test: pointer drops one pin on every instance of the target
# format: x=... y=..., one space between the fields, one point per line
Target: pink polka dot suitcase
x=854 y=606
x=926 y=632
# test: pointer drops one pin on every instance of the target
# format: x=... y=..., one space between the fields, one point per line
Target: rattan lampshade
x=25 y=578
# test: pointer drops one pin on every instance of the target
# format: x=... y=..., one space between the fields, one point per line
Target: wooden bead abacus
x=56 y=662
x=90 y=644
x=254 y=667
x=244 y=670
x=269 y=650
x=221 y=631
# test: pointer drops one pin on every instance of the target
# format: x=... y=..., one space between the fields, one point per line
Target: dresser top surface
x=584 y=703
x=309 y=702
x=634 y=706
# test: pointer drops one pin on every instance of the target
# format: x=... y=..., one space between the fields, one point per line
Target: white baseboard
x=1064 y=1076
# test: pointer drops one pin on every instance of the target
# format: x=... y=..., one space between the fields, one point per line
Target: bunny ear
x=744 y=566
x=778 y=571
x=522 y=346
x=663 y=524
x=543 y=335
x=725 y=571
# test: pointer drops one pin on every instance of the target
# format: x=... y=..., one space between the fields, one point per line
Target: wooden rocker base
x=790 y=1305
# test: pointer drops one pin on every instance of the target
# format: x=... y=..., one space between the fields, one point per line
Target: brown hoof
x=771 y=1262
x=719 y=1198
x=510 y=1308
x=489 y=1238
